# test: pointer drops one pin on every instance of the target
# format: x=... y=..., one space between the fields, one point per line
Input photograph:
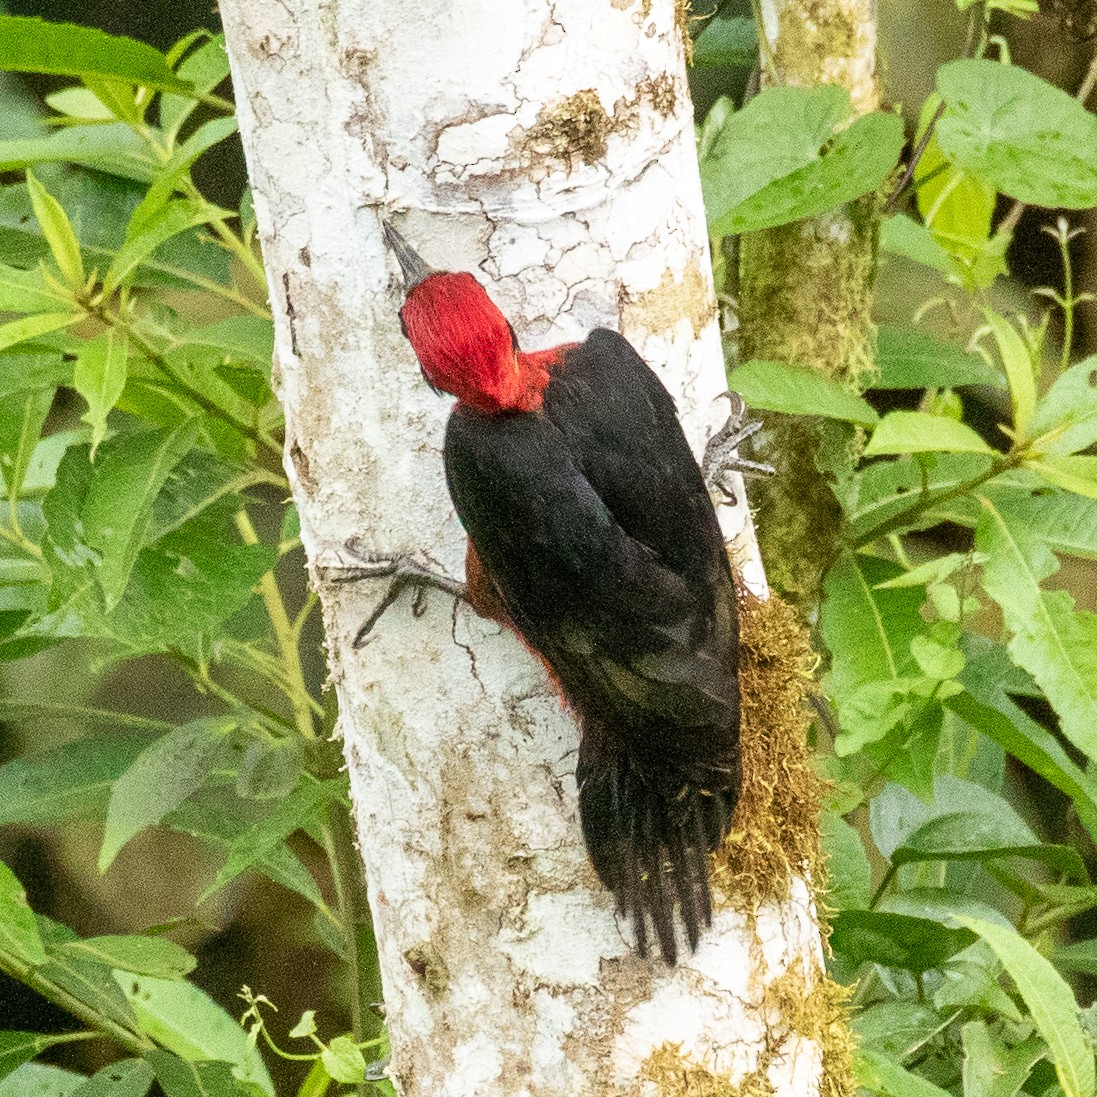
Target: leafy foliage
x=955 y=662
x=139 y=450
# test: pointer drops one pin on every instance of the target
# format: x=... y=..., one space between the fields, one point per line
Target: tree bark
x=548 y=147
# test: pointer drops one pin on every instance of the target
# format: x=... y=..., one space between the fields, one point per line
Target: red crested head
x=463 y=342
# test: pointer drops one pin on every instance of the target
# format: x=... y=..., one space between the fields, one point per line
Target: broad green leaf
x=155 y=956
x=120 y=98
x=850 y=875
x=198 y=481
x=79 y=105
x=40 y=1080
x=185 y=1078
x=726 y=41
x=955 y=207
x=162 y=776
x=912 y=359
x=780 y=159
x=897 y=1029
x=1053 y=641
x=343 y=1060
x=171 y=220
x=918 y=432
x=1050 y=1002
x=116 y=513
x=976 y=836
x=300 y=809
x=115 y=149
x=28 y=291
x=932 y=571
x=1079 y=956
x=205 y=68
x=64 y=49
x=895 y=940
x=22 y=370
x=67 y=781
x=83 y=978
x=17 y=1048
x=868 y=631
x=1018 y=134
x=250 y=338
x=19 y=937
x=902 y=235
x=21 y=418
x=778 y=386
x=1021 y=370
x=887 y=489
x=880 y=1073
x=57 y=229
x=1075 y=474
x=1068 y=410
x=936 y=660
x=126 y=1078
x=1032 y=745
x=38 y=323
x=186 y=1021
x=99 y=377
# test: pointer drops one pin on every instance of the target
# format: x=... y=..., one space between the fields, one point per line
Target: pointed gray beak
x=415 y=269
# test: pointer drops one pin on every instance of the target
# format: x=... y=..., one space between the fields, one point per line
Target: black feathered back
x=593 y=522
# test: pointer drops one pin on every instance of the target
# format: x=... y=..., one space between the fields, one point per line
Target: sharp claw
x=720 y=456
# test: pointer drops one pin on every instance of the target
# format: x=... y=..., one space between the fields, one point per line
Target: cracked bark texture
x=806 y=293
x=549 y=148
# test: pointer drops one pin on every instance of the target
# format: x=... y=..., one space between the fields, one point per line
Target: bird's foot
x=401 y=570
x=721 y=457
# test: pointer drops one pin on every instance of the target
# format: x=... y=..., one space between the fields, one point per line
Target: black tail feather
x=649 y=837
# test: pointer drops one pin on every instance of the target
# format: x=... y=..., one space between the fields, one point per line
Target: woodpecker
x=591 y=534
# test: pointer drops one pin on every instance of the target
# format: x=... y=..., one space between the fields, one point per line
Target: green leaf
x=19 y=937
x=781 y=158
x=902 y=235
x=67 y=781
x=918 y=432
x=300 y=809
x=28 y=291
x=932 y=571
x=171 y=220
x=64 y=49
x=1080 y=956
x=976 y=836
x=30 y=327
x=99 y=377
x=17 y=1048
x=343 y=1061
x=186 y=1021
x=777 y=386
x=1050 y=1002
x=850 y=875
x=936 y=660
x=79 y=105
x=126 y=1078
x=1075 y=474
x=116 y=149
x=21 y=418
x=1021 y=370
x=879 y=1073
x=305 y=1027
x=185 y=1078
x=116 y=513
x=155 y=956
x=58 y=232
x=250 y=338
x=162 y=776
x=911 y=359
x=39 y=1080
x=205 y=68
x=1069 y=410
x=1018 y=134
x=726 y=41
x=1054 y=642
x=895 y=940
x=896 y=1029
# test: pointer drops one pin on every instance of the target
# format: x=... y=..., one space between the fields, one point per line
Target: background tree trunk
x=806 y=292
x=549 y=147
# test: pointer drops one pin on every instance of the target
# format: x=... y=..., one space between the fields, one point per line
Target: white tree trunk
x=548 y=147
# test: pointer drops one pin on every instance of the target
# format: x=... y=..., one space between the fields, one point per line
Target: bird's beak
x=415 y=269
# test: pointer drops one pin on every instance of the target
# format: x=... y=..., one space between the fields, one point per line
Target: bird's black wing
x=592 y=520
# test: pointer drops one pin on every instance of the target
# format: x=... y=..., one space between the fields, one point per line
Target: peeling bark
x=549 y=148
